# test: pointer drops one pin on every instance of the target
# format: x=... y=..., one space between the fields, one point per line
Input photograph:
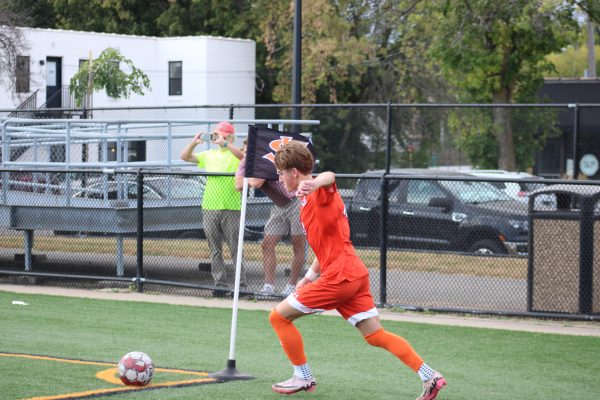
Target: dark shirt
x=273 y=188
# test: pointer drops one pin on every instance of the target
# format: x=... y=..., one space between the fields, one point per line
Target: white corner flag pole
x=230 y=372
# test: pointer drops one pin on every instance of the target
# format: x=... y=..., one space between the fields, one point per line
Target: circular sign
x=588 y=164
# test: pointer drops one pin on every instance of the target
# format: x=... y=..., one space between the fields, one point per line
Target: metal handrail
x=29 y=103
x=67 y=99
x=40 y=134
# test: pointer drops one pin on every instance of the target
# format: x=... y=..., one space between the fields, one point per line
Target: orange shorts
x=352 y=299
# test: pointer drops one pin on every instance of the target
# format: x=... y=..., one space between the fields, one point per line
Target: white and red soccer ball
x=136 y=369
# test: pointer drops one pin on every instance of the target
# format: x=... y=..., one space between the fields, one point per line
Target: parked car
x=172 y=192
x=464 y=216
x=155 y=188
x=517 y=190
x=35 y=182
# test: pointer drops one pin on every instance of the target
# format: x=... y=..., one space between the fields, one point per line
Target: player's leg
x=314 y=297
x=269 y=260
x=272 y=236
x=298 y=239
x=361 y=312
x=281 y=319
x=375 y=335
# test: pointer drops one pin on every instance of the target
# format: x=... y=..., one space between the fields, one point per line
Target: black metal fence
x=372 y=136
x=434 y=240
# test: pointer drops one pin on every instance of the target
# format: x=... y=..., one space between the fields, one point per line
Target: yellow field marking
x=65 y=360
x=89 y=393
x=110 y=375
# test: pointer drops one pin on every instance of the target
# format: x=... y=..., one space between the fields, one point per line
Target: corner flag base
x=230 y=373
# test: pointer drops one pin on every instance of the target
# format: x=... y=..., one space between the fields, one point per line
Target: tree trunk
x=504 y=134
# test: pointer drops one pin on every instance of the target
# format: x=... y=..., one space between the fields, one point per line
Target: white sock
x=425 y=372
x=303 y=371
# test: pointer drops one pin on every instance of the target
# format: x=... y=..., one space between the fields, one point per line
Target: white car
x=517 y=190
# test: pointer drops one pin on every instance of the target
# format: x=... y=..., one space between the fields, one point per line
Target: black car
x=433 y=213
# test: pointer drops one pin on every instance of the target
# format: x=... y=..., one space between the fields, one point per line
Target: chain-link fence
x=354 y=138
x=432 y=237
x=434 y=240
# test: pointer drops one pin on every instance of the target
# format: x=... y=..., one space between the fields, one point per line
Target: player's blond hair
x=295 y=154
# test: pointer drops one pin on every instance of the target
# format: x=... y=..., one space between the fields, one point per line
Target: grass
x=501 y=267
x=497 y=364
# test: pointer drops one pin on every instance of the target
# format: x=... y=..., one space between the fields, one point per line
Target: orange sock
x=290 y=338
x=396 y=345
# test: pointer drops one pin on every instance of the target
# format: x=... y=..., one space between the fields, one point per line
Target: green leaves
x=106 y=73
x=494 y=52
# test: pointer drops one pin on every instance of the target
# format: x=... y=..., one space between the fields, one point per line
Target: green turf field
x=478 y=363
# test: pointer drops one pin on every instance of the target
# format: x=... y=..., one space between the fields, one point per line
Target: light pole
x=297 y=64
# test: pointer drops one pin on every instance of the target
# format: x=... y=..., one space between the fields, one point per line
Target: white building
x=183 y=71
x=193 y=70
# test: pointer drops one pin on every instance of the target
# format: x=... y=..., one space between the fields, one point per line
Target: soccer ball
x=136 y=369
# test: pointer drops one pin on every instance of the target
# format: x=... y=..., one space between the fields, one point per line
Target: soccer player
x=337 y=278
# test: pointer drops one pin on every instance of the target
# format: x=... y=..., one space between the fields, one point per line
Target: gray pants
x=222 y=225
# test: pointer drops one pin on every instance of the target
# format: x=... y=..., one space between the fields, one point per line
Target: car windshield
x=475 y=192
x=370 y=189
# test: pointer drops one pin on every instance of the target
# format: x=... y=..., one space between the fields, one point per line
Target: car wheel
x=487 y=247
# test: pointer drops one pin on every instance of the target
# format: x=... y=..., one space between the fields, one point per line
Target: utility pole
x=297 y=65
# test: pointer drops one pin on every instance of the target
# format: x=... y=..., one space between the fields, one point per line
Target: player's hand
x=305 y=188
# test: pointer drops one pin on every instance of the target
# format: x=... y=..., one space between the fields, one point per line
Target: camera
x=207 y=137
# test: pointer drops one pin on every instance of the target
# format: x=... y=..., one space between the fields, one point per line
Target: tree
x=572 y=61
x=12 y=44
x=40 y=13
x=133 y=17
x=494 y=52
x=105 y=73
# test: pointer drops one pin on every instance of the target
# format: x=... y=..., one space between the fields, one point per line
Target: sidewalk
x=577 y=328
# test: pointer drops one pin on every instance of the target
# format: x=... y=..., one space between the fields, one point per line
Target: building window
x=174 y=78
x=82 y=61
x=22 y=74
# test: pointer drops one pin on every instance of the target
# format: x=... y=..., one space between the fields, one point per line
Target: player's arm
x=311 y=274
x=324 y=179
x=187 y=154
x=239 y=182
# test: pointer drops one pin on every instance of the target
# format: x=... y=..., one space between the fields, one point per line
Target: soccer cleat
x=295 y=385
x=432 y=387
x=287 y=290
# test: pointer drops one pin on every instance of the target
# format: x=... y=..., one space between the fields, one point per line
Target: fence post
x=575 y=140
x=383 y=213
x=140 y=233
x=5 y=145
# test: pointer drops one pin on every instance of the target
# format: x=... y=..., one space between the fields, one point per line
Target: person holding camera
x=221 y=202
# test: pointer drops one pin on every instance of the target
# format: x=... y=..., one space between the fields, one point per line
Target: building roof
x=133 y=36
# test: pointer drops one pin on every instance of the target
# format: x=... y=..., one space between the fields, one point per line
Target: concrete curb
x=575 y=328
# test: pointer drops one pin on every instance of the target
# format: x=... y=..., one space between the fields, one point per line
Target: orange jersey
x=325 y=221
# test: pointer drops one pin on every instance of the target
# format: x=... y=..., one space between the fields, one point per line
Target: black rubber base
x=230 y=373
